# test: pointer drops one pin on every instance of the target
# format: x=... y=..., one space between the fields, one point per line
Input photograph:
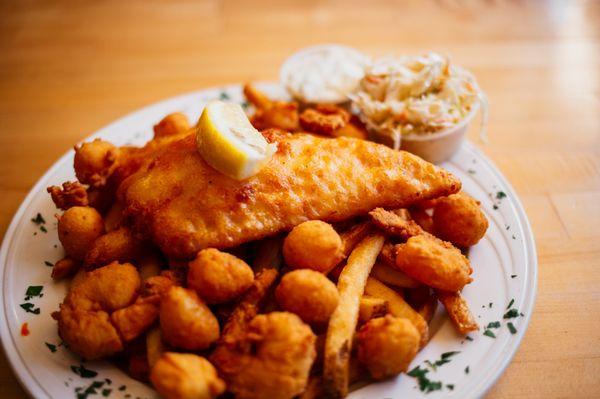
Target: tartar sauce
x=324 y=74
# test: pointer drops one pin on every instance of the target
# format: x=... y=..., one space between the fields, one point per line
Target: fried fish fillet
x=184 y=205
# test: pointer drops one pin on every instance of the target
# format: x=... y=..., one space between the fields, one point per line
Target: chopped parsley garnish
x=122 y=388
x=512 y=301
x=30 y=308
x=108 y=381
x=493 y=324
x=38 y=219
x=43 y=229
x=511 y=328
x=467 y=370
x=89 y=390
x=513 y=237
x=513 y=275
x=224 y=96
x=425 y=384
x=511 y=314
x=33 y=291
x=491 y=304
x=471 y=171
x=450 y=386
x=489 y=333
x=106 y=392
x=51 y=347
x=84 y=372
x=48 y=263
x=495 y=207
x=468 y=338
x=507 y=227
x=500 y=195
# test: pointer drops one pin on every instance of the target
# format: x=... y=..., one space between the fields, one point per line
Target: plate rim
x=34 y=388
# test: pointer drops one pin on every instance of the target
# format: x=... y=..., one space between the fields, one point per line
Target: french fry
x=154 y=346
x=458 y=311
x=342 y=325
x=398 y=306
x=371 y=307
x=392 y=276
x=352 y=236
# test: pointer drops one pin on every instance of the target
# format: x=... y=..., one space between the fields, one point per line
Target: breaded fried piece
x=184 y=205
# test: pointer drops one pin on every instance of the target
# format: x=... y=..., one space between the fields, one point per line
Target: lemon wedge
x=229 y=143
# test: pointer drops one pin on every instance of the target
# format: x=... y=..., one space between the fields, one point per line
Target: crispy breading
x=184 y=205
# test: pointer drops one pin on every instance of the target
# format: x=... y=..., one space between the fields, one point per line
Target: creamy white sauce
x=324 y=74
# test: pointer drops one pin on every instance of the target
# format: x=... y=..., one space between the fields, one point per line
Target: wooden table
x=68 y=68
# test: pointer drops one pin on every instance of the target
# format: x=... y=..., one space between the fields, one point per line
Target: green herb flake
x=417 y=372
x=38 y=219
x=495 y=207
x=224 y=96
x=500 y=195
x=511 y=328
x=450 y=386
x=30 y=308
x=84 y=372
x=51 y=347
x=47 y=263
x=471 y=171
x=106 y=392
x=511 y=314
x=513 y=237
x=467 y=370
x=493 y=324
x=33 y=291
x=513 y=276
x=122 y=388
x=512 y=301
x=490 y=305
x=448 y=355
x=43 y=229
x=108 y=381
x=489 y=333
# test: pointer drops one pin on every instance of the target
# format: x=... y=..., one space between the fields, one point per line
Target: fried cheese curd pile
x=306 y=312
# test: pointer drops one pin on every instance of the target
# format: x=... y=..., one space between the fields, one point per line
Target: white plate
x=507 y=250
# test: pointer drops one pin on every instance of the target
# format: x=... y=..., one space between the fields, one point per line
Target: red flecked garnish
x=24 y=330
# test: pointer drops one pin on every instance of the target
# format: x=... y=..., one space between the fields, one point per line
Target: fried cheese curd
x=78 y=228
x=185 y=376
x=185 y=320
x=459 y=219
x=387 y=345
x=308 y=294
x=95 y=161
x=84 y=321
x=218 y=277
x=313 y=245
x=434 y=262
x=279 y=352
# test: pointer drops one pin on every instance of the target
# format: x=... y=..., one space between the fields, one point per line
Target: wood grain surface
x=68 y=68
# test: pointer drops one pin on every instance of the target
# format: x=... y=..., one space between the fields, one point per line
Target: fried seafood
x=184 y=205
x=218 y=277
x=94 y=162
x=459 y=219
x=324 y=119
x=83 y=320
x=64 y=268
x=78 y=228
x=275 y=358
x=308 y=294
x=134 y=319
x=271 y=114
x=434 y=262
x=118 y=245
x=185 y=321
x=171 y=124
x=313 y=245
x=186 y=376
x=71 y=194
x=387 y=345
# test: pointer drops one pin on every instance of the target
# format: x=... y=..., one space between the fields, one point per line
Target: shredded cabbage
x=414 y=95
